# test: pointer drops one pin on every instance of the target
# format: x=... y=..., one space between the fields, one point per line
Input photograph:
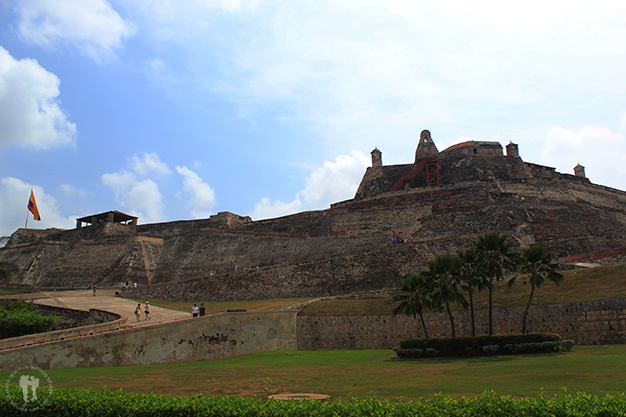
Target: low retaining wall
x=108 y=322
x=204 y=338
x=588 y=323
x=68 y=317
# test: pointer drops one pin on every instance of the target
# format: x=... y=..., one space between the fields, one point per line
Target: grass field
x=602 y=283
x=595 y=370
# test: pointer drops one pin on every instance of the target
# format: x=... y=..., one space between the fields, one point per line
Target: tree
x=413 y=302
x=444 y=284
x=493 y=251
x=471 y=279
x=7 y=269
x=538 y=266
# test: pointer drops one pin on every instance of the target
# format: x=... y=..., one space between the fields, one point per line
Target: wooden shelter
x=113 y=216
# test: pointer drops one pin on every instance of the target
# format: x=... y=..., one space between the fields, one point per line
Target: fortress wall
x=90 y=262
x=377 y=268
x=100 y=321
x=306 y=224
x=195 y=257
x=34 y=260
x=589 y=323
x=204 y=338
x=568 y=215
x=440 y=221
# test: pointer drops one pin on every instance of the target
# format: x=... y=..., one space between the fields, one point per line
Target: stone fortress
x=401 y=216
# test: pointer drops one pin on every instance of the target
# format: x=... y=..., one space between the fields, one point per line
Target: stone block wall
x=69 y=317
x=590 y=323
x=99 y=322
x=204 y=338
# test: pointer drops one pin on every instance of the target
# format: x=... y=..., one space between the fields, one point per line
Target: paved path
x=105 y=299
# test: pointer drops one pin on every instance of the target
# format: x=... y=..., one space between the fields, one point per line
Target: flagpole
x=26 y=226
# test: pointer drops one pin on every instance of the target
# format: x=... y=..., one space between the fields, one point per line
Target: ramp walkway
x=105 y=299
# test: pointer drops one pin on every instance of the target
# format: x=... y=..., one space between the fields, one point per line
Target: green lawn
x=595 y=370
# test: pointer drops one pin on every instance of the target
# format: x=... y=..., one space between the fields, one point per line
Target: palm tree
x=470 y=274
x=7 y=269
x=415 y=300
x=538 y=265
x=494 y=255
x=443 y=280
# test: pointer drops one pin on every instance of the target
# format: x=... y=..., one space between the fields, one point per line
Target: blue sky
x=179 y=110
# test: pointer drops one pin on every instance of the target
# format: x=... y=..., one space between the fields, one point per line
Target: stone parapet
x=204 y=338
x=107 y=320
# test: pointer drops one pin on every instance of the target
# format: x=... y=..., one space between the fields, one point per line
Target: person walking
x=202 y=310
x=94 y=290
x=138 y=312
x=147 y=310
x=194 y=310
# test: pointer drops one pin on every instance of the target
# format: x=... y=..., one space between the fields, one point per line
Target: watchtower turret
x=579 y=171
x=377 y=158
x=512 y=150
x=426 y=147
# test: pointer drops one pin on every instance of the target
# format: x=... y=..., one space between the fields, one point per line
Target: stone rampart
x=100 y=321
x=204 y=338
x=588 y=323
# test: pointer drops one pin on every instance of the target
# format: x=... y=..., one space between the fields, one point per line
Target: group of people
x=146 y=311
x=198 y=311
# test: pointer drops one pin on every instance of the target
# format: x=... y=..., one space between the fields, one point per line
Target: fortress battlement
x=464 y=162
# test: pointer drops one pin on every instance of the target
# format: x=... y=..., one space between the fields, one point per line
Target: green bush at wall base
x=474 y=345
x=87 y=403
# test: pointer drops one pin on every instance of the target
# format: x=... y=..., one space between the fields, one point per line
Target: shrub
x=88 y=403
x=484 y=345
x=491 y=349
x=18 y=318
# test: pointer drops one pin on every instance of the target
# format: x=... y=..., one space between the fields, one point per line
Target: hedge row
x=473 y=345
x=510 y=349
x=87 y=403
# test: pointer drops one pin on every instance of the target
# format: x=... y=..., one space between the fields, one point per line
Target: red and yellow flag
x=32 y=206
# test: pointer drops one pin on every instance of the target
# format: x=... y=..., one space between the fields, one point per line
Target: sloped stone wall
x=203 y=338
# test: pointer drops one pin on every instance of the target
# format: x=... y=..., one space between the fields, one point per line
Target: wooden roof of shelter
x=117 y=217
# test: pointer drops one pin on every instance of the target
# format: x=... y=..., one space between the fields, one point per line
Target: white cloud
x=203 y=198
x=92 y=26
x=139 y=195
x=145 y=200
x=359 y=71
x=332 y=182
x=30 y=114
x=149 y=163
x=599 y=149
x=14 y=196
